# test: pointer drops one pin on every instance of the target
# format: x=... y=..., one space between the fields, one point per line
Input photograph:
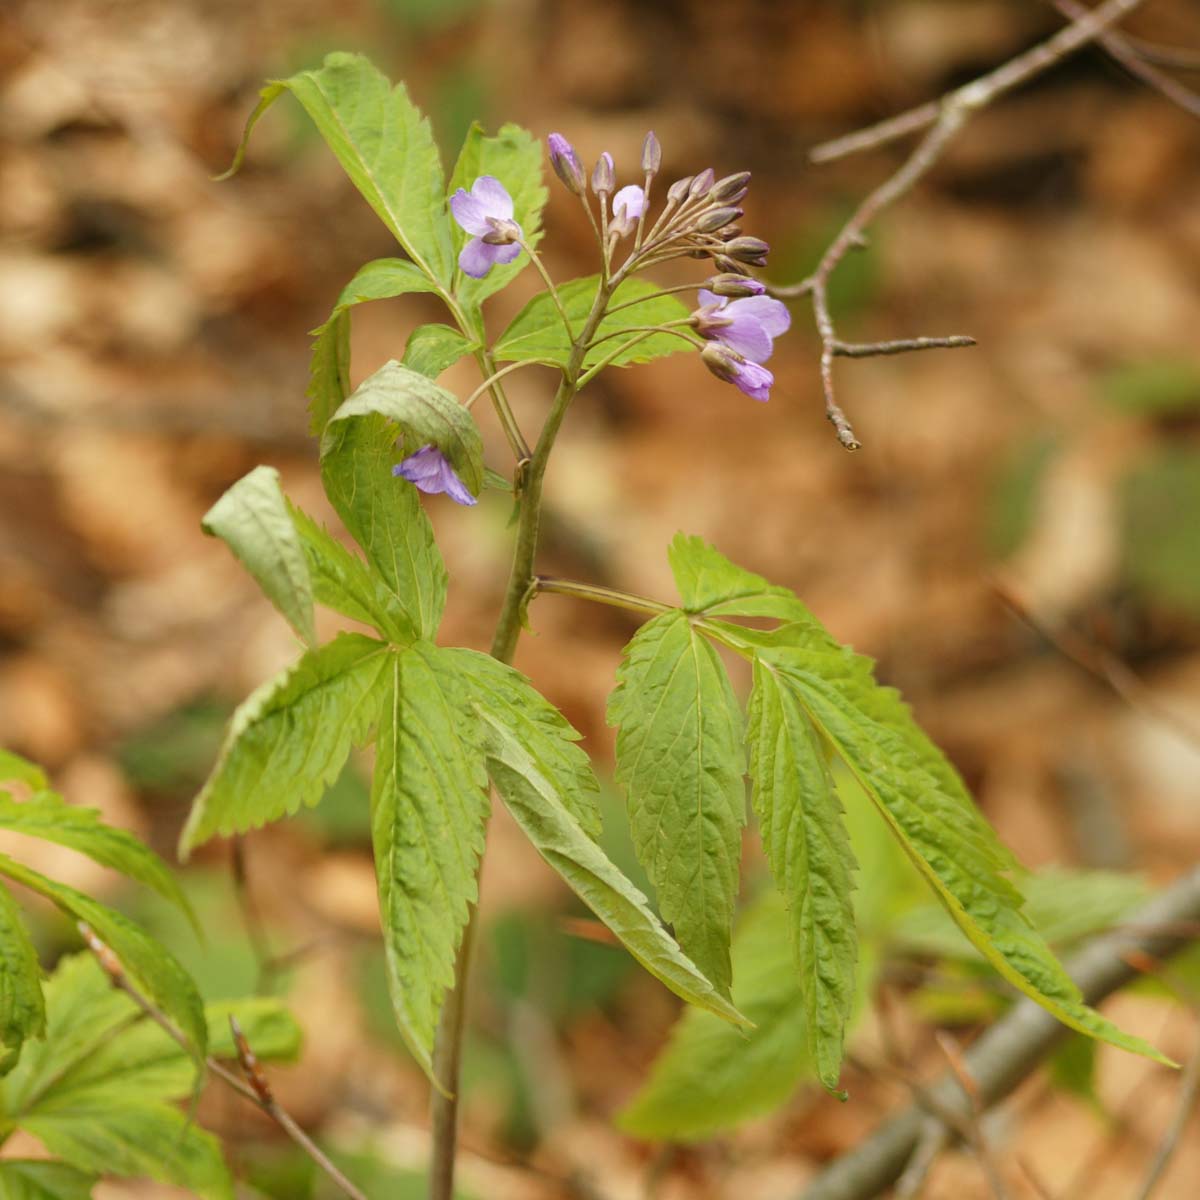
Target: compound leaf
x=39 y=1179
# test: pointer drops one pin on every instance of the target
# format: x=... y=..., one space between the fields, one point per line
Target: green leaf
x=20 y=770
x=425 y=412
x=430 y=349
x=712 y=1076
x=808 y=848
x=289 y=740
x=709 y=583
x=252 y=519
x=387 y=520
x=542 y=731
x=329 y=368
x=384 y=145
x=537 y=805
x=22 y=1011
x=429 y=809
x=681 y=762
x=1153 y=387
x=150 y=965
x=537 y=333
x=343 y=582
x=37 y=1179
x=47 y=816
x=135 y=1138
x=513 y=156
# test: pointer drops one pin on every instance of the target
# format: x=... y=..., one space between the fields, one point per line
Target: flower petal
x=505 y=254
x=770 y=313
x=429 y=470
x=632 y=199
x=469 y=212
x=712 y=300
x=753 y=380
x=478 y=257
x=745 y=335
x=492 y=197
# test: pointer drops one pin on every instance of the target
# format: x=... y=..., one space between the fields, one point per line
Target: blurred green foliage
x=1154 y=388
x=1012 y=505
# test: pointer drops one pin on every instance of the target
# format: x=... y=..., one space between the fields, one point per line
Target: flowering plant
x=447 y=721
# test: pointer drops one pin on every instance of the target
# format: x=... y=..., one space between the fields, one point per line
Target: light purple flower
x=728 y=365
x=486 y=212
x=748 y=325
x=628 y=204
x=566 y=164
x=430 y=470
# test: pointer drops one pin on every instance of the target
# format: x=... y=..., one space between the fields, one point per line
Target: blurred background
x=1020 y=532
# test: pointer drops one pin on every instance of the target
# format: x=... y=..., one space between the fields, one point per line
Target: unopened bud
x=651 y=154
x=748 y=250
x=716 y=218
x=604 y=177
x=730 y=265
x=566 y=164
x=678 y=191
x=729 y=233
x=702 y=183
x=730 y=189
x=721 y=361
x=735 y=285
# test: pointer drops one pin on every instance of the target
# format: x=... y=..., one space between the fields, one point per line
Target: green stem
x=596 y=368
x=541 y=270
x=447 y=1049
x=683 y=287
x=491 y=381
x=669 y=327
x=599 y=594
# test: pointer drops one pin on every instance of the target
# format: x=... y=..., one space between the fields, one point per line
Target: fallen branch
x=1017 y=1044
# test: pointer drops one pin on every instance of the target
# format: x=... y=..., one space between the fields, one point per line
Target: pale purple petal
x=456 y=489
x=770 y=313
x=492 y=197
x=469 y=213
x=505 y=254
x=632 y=199
x=478 y=257
x=746 y=336
x=429 y=470
x=712 y=300
x=753 y=380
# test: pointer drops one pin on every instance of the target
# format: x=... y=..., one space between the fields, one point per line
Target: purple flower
x=728 y=365
x=430 y=470
x=748 y=325
x=566 y=164
x=628 y=205
x=486 y=212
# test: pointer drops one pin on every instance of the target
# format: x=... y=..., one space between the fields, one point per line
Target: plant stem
x=447 y=1048
x=600 y=595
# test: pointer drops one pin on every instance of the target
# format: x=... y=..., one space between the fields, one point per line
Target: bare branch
x=900 y=346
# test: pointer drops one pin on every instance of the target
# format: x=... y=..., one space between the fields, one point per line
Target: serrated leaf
x=542 y=731
x=805 y=837
x=429 y=809
x=537 y=333
x=386 y=518
x=20 y=770
x=38 y=1179
x=384 y=145
x=513 y=156
x=343 y=582
x=136 y=1139
x=681 y=763
x=431 y=349
x=252 y=519
x=47 y=816
x=425 y=412
x=22 y=1011
x=148 y=963
x=290 y=739
x=536 y=804
x=709 y=583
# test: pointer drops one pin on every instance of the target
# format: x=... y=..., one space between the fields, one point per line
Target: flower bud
x=701 y=183
x=748 y=250
x=730 y=189
x=729 y=233
x=566 y=164
x=716 y=218
x=729 y=265
x=721 y=361
x=735 y=285
x=651 y=154
x=604 y=177
x=678 y=191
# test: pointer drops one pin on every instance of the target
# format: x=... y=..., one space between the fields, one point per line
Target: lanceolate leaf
x=542 y=731
x=290 y=739
x=709 y=583
x=252 y=519
x=514 y=157
x=681 y=762
x=430 y=349
x=429 y=808
x=22 y=1012
x=383 y=144
x=47 y=816
x=20 y=770
x=536 y=803
x=343 y=582
x=149 y=964
x=425 y=412
x=537 y=332
x=386 y=518
x=38 y=1179
x=807 y=846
